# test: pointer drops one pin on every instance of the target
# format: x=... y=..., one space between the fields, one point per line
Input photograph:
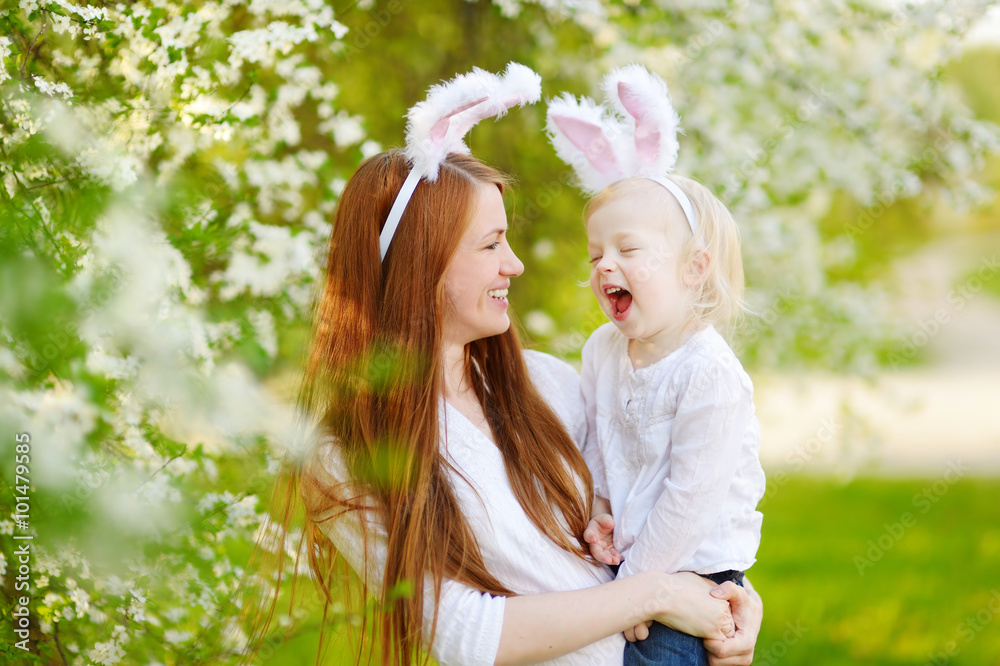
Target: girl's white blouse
x=675 y=448
x=514 y=550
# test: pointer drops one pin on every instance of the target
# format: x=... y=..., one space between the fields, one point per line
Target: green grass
x=933 y=584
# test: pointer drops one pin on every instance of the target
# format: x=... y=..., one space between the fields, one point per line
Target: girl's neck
x=644 y=352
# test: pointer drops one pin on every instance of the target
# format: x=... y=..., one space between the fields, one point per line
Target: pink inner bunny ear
x=647 y=132
x=440 y=128
x=590 y=140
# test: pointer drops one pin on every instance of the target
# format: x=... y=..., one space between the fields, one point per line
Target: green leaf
x=401 y=590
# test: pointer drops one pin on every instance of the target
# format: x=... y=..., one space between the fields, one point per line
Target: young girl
x=672 y=439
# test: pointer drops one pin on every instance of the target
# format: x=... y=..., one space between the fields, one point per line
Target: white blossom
x=109 y=652
x=265 y=267
x=346 y=129
x=263 y=326
x=175 y=637
x=5 y=53
x=49 y=88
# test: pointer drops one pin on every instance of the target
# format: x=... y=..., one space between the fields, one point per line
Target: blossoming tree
x=168 y=172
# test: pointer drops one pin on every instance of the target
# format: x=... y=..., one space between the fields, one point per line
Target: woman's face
x=477 y=279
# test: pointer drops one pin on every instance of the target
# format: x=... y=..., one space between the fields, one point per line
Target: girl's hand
x=600 y=535
x=639 y=632
x=692 y=609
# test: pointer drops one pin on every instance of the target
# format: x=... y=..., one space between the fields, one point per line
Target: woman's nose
x=511 y=266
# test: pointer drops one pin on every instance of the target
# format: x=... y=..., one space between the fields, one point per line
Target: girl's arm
x=601 y=505
x=539 y=627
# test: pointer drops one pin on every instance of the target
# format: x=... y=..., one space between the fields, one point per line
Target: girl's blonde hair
x=717 y=298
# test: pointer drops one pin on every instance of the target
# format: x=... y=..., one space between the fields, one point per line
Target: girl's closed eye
x=494 y=245
x=595 y=259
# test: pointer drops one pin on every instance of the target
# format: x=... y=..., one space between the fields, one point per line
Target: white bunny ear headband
x=637 y=139
x=436 y=126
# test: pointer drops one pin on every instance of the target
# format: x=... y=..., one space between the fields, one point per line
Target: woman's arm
x=475 y=628
x=544 y=626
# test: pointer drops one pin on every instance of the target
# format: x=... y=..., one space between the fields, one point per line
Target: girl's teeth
x=613 y=290
x=497 y=293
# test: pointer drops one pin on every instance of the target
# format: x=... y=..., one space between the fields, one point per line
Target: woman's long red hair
x=373 y=379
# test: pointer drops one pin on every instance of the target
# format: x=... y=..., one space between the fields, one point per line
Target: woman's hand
x=692 y=609
x=748 y=611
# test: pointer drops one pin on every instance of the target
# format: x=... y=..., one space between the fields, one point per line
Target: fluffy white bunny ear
x=584 y=136
x=438 y=125
x=430 y=132
x=638 y=139
x=519 y=85
x=642 y=98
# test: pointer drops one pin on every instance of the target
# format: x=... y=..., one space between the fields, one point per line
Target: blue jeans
x=669 y=647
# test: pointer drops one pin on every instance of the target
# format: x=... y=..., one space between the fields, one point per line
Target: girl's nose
x=605 y=265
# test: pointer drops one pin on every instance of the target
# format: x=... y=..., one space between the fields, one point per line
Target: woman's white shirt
x=675 y=448
x=513 y=548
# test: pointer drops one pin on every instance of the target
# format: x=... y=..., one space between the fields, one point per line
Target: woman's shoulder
x=545 y=368
x=559 y=385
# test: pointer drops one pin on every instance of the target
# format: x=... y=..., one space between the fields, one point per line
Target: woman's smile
x=478 y=279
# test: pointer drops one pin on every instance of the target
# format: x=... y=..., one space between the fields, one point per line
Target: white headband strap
x=435 y=128
x=682 y=199
x=396 y=212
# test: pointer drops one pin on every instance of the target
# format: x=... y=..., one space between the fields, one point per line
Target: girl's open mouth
x=621 y=301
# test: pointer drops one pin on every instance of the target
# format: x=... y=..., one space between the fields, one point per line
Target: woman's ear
x=697 y=267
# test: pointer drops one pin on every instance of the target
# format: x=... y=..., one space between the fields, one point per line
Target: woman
x=449 y=474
